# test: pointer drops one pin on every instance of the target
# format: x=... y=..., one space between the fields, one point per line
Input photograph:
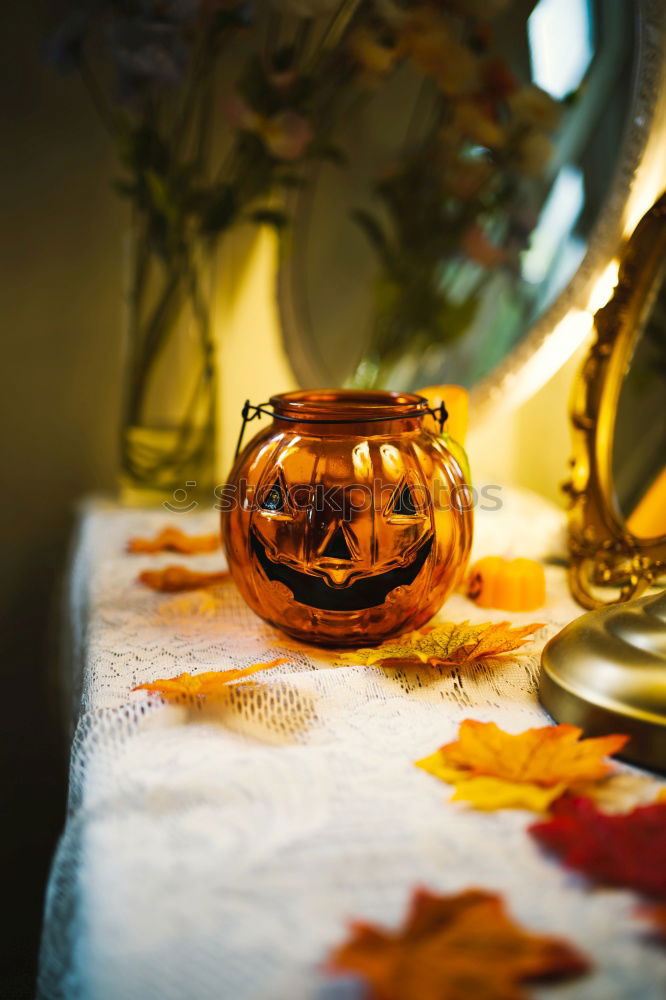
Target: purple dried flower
x=146 y=52
x=175 y=11
x=64 y=47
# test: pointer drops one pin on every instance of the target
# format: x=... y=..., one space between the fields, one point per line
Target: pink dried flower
x=239 y=114
x=476 y=245
x=286 y=135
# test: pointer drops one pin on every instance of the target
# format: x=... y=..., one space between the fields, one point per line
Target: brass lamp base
x=606 y=672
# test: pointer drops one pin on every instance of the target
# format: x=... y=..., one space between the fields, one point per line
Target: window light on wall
x=561 y=44
x=558 y=218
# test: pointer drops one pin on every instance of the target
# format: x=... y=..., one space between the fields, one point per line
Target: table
x=207 y=857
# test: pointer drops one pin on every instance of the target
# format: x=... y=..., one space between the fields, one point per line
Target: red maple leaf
x=627 y=849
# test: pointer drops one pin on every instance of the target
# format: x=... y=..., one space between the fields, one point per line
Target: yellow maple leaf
x=450 y=644
x=487 y=792
x=492 y=769
x=212 y=685
x=494 y=793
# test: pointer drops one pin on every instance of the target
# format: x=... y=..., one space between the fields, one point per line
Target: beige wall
x=59 y=293
x=59 y=307
x=60 y=322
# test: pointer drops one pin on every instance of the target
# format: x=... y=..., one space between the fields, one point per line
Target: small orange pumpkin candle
x=507 y=584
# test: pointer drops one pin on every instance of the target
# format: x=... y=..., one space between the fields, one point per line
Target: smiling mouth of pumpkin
x=314 y=592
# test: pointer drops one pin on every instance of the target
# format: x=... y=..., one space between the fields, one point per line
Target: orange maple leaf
x=454 y=948
x=492 y=769
x=213 y=685
x=656 y=914
x=451 y=644
x=175 y=578
x=172 y=539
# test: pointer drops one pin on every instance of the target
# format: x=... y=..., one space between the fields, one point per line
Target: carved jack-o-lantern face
x=337 y=537
x=336 y=548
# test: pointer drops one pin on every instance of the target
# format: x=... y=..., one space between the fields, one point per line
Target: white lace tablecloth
x=220 y=857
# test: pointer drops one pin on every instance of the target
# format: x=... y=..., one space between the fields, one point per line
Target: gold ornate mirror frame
x=605 y=557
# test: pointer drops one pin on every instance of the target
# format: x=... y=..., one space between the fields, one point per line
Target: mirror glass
x=423 y=257
x=639 y=444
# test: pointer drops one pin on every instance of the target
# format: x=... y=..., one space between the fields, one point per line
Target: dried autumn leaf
x=619 y=793
x=546 y=755
x=175 y=578
x=213 y=685
x=490 y=794
x=172 y=539
x=492 y=769
x=451 y=644
x=186 y=608
x=656 y=914
x=453 y=948
x=627 y=850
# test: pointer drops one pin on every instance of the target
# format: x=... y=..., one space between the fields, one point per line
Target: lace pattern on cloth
x=220 y=853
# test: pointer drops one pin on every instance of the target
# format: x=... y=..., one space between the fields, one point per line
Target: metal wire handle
x=251 y=412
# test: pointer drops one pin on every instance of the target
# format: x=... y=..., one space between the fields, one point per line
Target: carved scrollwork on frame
x=608 y=562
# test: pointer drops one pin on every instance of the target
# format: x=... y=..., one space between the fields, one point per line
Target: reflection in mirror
x=458 y=219
x=639 y=445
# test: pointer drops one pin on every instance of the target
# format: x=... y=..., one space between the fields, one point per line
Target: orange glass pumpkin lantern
x=346 y=520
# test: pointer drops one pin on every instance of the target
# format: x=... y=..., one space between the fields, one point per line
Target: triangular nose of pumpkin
x=337 y=547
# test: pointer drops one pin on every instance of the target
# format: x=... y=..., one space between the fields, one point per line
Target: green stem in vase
x=153 y=338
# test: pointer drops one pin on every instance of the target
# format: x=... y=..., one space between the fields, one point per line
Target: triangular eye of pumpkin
x=405 y=504
x=274 y=499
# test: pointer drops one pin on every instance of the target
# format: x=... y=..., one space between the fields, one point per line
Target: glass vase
x=168 y=433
